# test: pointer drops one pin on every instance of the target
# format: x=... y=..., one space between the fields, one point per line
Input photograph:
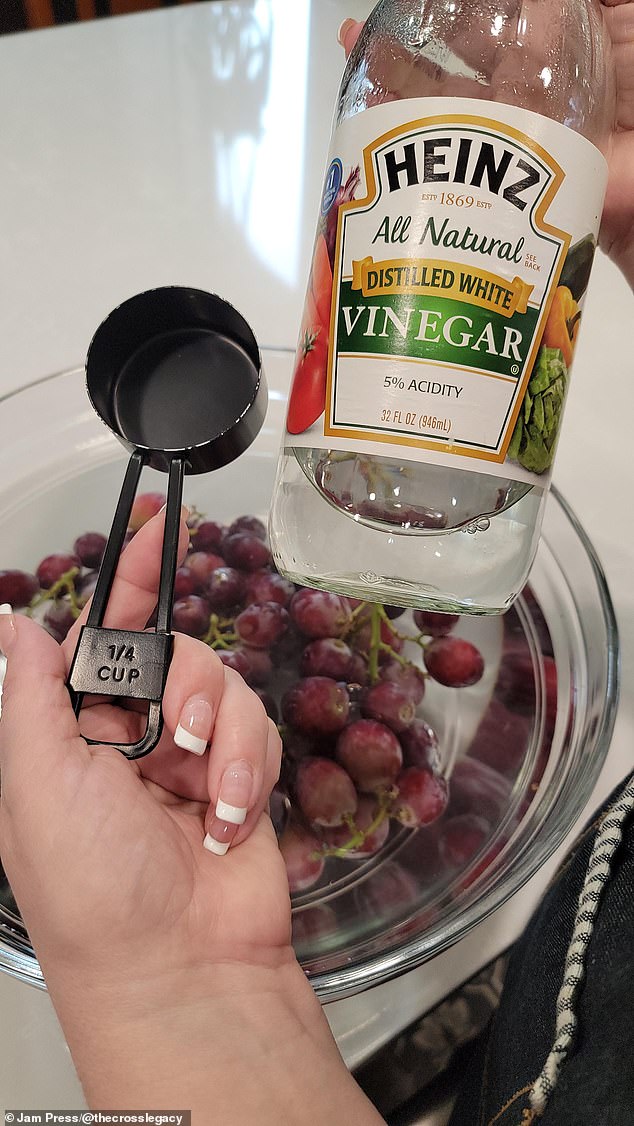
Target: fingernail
x=7 y=627
x=235 y=793
x=236 y=787
x=194 y=726
x=219 y=837
x=185 y=513
x=341 y=34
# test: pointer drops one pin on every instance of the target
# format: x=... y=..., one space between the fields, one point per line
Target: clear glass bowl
x=522 y=749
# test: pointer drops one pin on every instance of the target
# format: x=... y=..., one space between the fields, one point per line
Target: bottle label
x=451 y=259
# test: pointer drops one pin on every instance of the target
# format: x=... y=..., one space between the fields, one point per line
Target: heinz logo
x=458 y=159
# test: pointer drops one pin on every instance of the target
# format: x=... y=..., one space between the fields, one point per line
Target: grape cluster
x=344 y=681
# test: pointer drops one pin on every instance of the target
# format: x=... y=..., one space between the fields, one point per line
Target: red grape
x=358 y=670
x=249 y=524
x=224 y=589
x=261 y=624
x=454 y=662
x=270 y=705
x=201 y=564
x=390 y=704
x=85 y=586
x=184 y=583
x=394 y=612
x=408 y=677
x=420 y=746
x=461 y=838
x=58 y=618
x=246 y=551
x=208 y=536
x=326 y=656
x=422 y=796
x=371 y=754
x=17 y=588
x=433 y=623
x=317 y=613
x=53 y=567
x=302 y=856
x=363 y=638
x=235 y=659
x=298 y=745
x=286 y=653
x=144 y=507
x=191 y=615
x=341 y=836
x=325 y=791
x=90 y=548
x=268 y=586
x=316 y=705
x=260 y=665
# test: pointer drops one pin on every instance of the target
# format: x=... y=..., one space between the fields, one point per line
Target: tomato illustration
x=308 y=393
x=321 y=280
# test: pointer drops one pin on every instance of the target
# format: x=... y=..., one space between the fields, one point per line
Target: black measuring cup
x=176 y=375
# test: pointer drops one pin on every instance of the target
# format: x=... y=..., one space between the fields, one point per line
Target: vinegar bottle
x=457 y=228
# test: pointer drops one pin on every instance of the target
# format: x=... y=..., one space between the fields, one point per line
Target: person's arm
x=231 y=1044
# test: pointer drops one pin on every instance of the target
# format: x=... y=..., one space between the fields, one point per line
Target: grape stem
x=219 y=635
x=65 y=584
x=359 y=836
x=375 y=642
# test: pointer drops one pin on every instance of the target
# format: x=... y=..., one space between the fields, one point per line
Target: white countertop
x=135 y=153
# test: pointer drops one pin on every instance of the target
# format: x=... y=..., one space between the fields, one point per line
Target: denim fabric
x=596 y=1083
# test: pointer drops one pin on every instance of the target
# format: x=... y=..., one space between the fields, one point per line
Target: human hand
x=616 y=236
x=171 y=968
x=105 y=856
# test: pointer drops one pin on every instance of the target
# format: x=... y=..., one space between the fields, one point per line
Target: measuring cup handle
x=129 y=663
x=150 y=738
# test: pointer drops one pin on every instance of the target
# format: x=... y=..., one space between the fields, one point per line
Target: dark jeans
x=595 y=1085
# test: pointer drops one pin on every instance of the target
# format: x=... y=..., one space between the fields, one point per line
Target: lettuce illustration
x=535 y=435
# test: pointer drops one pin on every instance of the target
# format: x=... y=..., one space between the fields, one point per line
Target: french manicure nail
x=220 y=836
x=234 y=795
x=7 y=627
x=194 y=726
x=236 y=788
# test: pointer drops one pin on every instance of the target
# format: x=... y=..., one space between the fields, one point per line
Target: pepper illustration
x=562 y=324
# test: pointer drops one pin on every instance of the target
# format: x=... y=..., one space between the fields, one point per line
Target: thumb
x=38 y=729
x=349 y=33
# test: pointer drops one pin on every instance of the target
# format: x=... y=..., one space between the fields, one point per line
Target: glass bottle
x=456 y=234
